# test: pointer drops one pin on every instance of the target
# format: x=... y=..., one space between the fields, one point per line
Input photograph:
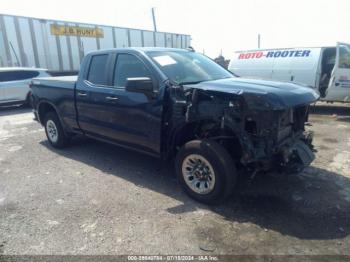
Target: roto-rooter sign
x=274 y=54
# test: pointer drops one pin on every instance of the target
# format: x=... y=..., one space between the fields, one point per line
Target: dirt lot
x=93 y=198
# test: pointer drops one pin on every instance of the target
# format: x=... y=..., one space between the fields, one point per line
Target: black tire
x=62 y=140
x=221 y=163
x=29 y=101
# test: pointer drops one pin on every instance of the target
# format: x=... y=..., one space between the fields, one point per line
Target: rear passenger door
x=2 y=88
x=16 y=85
x=95 y=97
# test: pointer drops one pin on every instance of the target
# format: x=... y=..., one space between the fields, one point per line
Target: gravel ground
x=94 y=198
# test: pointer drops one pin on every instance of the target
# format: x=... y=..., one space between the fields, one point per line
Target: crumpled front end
x=277 y=140
x=261 y=130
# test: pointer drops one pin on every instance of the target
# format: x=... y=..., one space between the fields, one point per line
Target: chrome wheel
x=52 y=131
x=198 y=174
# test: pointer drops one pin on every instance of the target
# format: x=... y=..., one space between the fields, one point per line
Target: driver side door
x=139 y=114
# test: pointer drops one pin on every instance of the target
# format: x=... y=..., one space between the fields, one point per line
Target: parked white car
x=14 y=84
x=325 y=69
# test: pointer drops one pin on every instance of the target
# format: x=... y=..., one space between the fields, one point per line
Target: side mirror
x=139 y=85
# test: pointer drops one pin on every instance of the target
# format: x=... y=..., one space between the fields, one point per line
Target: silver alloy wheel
x=52 y=131
x=198 y=174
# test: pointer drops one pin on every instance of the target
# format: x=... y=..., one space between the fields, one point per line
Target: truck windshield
x=184 y=67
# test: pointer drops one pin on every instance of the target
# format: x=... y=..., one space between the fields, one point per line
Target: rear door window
x=17 y=75
x=98 y=70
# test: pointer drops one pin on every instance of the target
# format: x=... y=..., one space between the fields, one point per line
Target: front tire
x=206 y=171
x=54 y=131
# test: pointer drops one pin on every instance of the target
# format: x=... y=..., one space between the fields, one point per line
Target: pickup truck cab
x=178 y=104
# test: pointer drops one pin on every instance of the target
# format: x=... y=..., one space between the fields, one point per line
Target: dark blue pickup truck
x=178 y=104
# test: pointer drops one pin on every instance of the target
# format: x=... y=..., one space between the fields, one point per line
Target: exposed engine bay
x=258 y=135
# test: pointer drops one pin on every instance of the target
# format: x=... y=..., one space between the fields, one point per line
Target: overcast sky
x=216 y=25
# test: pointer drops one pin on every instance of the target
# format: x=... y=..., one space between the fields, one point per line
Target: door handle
x=82 y=94
x=112 y=98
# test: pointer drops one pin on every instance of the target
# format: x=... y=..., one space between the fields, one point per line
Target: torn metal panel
x=269 y=136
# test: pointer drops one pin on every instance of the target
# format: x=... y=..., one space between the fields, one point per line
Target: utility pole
x=259 y=41
x=154 y=20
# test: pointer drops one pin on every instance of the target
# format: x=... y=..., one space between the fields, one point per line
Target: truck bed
x=59 y=91
x=59 y=81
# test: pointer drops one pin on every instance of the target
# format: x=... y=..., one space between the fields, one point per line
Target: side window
x=17 y=75
x=27 y=74
x=97 y=71
x=128 y=66
x=344 y=56
x=4 y=76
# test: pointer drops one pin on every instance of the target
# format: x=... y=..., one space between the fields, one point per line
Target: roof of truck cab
x=5 y=69
x=139 y=49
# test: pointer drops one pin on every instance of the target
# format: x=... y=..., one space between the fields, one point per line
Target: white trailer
x=326 y=69
x=61 y=45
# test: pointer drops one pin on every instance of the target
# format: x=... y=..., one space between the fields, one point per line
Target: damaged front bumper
x=290 y=156
x=298 y=155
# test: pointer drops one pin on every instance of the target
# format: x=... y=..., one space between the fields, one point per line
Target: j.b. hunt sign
x=274 y=54
x=76 y=31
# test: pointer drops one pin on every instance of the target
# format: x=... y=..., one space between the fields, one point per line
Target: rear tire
x=54 y=131
x=206 y=171
x=29 y=101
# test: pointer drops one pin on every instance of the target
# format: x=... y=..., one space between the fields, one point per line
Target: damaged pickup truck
x=178 y=104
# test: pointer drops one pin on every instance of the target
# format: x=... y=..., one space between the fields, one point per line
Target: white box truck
x=326 y=69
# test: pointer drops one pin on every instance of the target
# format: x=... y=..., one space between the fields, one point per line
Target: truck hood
x=262 y=94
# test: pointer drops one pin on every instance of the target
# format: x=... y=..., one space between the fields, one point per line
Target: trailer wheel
x=206 y=171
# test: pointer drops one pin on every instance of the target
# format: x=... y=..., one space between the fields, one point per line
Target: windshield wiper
x=197 y=82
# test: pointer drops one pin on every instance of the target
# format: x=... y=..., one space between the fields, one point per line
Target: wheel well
x=207 y=129
x=45 y=108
